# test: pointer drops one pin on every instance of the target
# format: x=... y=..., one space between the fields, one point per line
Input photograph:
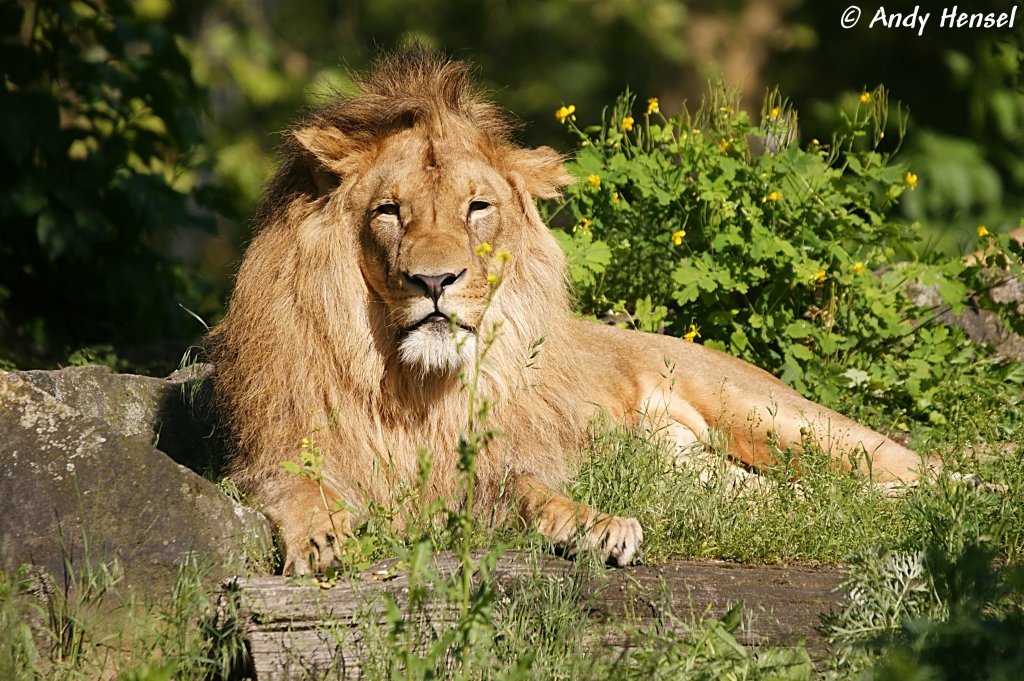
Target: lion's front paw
x=571 y=526
x=311 y=541
x=616 y=539
x=305 y=555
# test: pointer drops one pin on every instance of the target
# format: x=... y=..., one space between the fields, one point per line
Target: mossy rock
x=82 y=479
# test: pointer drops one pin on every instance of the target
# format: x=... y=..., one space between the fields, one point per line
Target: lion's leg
x=885 y=460
x=687 y=436
x=892 y=467
x=310 y=531
x=564 y=521
x=793 y=421
x=753 y=409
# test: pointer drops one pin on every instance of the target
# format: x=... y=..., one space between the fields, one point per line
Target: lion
x=371 y=290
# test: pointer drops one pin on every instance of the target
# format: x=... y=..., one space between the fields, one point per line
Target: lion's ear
x=326 y=143
x=542 y=171
x=327 y=147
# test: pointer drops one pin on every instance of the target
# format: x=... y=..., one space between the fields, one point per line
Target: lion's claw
x=319 y=553
x=618 y=539
x=311 y=539
x=615 y=540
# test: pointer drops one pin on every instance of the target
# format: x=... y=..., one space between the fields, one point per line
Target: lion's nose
x=433 y=285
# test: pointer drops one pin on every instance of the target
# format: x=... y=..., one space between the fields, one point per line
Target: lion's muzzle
x=432 y=285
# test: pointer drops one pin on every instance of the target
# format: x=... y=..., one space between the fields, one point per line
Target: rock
x=980 y=325
x=80 y=476
x=173 y=414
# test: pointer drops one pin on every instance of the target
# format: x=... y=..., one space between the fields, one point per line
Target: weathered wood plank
x=295 y=631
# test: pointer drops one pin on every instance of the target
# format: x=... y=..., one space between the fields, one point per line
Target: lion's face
x=426 y=207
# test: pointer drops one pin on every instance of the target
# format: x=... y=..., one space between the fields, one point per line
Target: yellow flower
x=305 y=442
x=677 y=237
x=615 y=199
x=775 y=112
x=564 y=113
x=594 y=181
x=584 y=225
x=503 y=256
x=627 y=123
x=724 y=145
x=858 y=267
x=694 y=332
x=773 y=197
x=483 y=249
x=982 y=231
x=725 y=109
x=652 y=106
x=911 y=179
x=865 y=97
x=819 y=276
x=492 y=279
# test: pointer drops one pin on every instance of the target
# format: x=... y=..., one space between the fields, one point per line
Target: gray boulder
x=980 y=325
x=82 y=478
x=174 y=414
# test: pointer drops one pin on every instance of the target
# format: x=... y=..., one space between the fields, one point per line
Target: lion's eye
x=388 y=208
x=478 y=205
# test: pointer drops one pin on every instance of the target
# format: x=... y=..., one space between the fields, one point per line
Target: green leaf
x=857 y=377
x=732 y=619
x=785 y=664
x=739 y=340
x=585 y=256
x=799 y=329
x=801 y=352
x=954 y=294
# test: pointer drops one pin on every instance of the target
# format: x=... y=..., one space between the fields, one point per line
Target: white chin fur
x=431 y=349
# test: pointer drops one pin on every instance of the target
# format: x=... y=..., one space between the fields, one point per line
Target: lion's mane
x=305 y=349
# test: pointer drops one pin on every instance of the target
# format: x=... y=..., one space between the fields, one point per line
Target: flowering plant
x=785 y=254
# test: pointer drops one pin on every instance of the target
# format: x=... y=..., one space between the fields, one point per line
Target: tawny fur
x=321 y=337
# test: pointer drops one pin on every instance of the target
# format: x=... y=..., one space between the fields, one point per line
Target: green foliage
x=784 y=255
x=103 y=354
x=932 y=614
x=712 y=652
x=962 y=90
x=944 y=601
x=89 y=627
x=98 y=118
x=981 y=637
x=18 y=653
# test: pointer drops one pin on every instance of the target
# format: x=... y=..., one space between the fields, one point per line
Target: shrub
x=787 y=255
x=98 y=128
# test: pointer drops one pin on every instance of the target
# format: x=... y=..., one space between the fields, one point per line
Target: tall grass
x=93 y=628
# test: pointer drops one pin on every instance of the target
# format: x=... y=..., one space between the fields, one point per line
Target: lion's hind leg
x=688 y=440
x=571 y=526
x=761 y=424
x=850 y=444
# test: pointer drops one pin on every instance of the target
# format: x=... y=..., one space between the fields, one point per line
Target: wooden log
x=297 y=630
